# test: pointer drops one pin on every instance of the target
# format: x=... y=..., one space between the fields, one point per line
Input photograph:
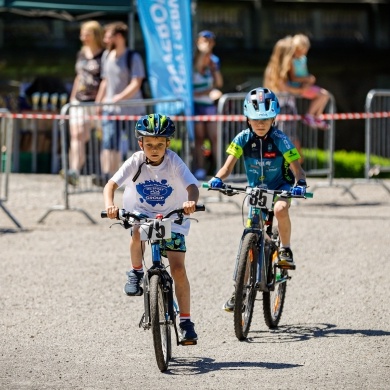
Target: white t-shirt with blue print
x=158 y=189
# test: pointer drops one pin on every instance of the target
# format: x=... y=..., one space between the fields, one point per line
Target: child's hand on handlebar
x=189 y=207
x=300 y=188
x=216 y=182
x=112 y=211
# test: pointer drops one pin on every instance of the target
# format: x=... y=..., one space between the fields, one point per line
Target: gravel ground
x=65 y=323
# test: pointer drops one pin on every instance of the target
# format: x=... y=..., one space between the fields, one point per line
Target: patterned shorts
x=176 y=243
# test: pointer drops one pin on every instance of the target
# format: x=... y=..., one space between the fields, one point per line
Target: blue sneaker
x=187 y=332
x=132 y=286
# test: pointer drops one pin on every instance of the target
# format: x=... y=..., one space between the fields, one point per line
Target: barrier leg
x=371 y=182
x=347 y=189
x=63 y=208
x=14 y=220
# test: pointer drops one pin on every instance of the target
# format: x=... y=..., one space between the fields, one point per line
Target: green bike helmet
x=261 y=103
x=154 y=125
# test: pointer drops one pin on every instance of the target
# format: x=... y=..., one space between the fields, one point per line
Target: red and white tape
x=200 y=118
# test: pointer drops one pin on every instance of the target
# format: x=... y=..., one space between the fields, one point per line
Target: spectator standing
x=85 y=88
x=207 y=80
x=300 y=77
x=121 y=81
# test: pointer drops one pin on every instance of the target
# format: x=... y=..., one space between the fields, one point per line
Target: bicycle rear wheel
x=273 y=301
x=245 y=293
x=160 y=327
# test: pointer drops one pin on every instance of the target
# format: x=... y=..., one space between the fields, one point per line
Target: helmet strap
x=147 y=162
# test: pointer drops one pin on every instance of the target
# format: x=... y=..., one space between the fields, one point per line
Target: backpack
x=145 y=88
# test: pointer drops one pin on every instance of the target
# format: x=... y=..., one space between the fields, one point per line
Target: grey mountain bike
x=160 y=307
x=257 y=268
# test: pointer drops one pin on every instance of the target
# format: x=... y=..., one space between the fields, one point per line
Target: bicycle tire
x=161 y=329
x=245 y=292
x=273 y=301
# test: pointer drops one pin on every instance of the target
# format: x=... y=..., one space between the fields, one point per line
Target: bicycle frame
x=158 y=268
x=256 y=222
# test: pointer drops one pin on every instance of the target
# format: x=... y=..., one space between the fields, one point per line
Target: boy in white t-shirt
x=157 y=181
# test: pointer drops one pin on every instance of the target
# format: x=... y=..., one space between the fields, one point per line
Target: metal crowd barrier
x=377 y=136
x=6 y=133
x=292 y=107
x=88 y=180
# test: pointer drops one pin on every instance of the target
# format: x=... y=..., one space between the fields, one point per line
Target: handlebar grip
x=200 y=207
x=205 y=185
x=309 y=194
x=103 y=214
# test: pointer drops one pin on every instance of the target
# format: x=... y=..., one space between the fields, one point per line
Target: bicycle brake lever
x=192 y=219
x=230 y=192
x=116 y=223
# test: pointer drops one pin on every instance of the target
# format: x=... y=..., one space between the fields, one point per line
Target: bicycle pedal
x=141 y=323
x=188 y=342
x=286 y=266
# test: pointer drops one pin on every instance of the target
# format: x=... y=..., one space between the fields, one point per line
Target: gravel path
x=65 y=323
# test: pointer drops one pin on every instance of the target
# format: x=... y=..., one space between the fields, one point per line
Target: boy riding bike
x=157 y=181
x=271 y=161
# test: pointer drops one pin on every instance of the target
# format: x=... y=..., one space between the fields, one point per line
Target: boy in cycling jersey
x=157 y=181
x=271 y=161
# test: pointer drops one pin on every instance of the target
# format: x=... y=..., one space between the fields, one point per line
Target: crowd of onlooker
x=107 y=71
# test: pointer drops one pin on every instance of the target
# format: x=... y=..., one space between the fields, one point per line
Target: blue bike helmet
x=154 y=125
x=261 y=103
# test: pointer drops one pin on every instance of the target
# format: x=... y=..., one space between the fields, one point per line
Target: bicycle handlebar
x=231 y=190
x=126 y=215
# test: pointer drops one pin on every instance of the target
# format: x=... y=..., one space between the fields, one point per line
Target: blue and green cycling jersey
x=267 y=159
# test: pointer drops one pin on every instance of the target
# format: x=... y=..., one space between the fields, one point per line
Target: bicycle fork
x=171 y=309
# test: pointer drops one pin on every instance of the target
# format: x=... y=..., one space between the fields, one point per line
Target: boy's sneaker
x=132 y=286
x=229 y=304
x=286 y=260
x=72 y=176
x=187 y=332
x=309 y=121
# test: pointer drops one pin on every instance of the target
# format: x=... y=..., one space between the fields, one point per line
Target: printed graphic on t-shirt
x=154 y=192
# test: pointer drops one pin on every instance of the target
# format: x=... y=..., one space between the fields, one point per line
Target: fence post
x=377 y=136
x=6 y=133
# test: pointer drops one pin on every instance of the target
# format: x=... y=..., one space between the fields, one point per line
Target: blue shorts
x=177 y=243
x=111 y=137
x=283 y=187
x=202 y=109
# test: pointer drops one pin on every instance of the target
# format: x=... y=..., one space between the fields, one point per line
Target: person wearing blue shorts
x=119 y=83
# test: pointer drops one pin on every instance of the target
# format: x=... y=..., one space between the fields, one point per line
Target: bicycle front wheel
x=273 y=301
x=160 y=327
x=245 y=293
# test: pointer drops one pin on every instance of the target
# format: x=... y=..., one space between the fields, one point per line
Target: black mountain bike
x=160 y=306
x=257 y=268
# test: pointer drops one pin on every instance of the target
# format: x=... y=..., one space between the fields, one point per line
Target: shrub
x=346 y=164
